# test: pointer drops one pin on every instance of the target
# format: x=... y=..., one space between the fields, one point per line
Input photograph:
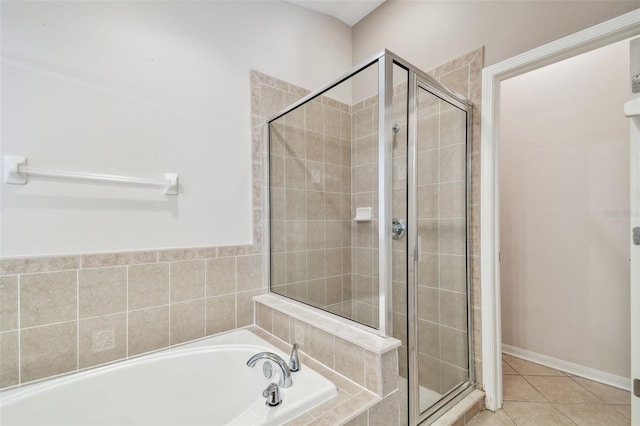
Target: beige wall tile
x=187 y=280
x=264 y=317
x=104 y=260
x=454 y=347
x=314 y=146
x=38 y=264
x=102 y=339
x=249 y=273
x=314 y=207
x=452 y=200
x=221 y=276
x=9 y=359
x=148 y=285
x=314 y=119
x=316 y=263
x=294 y=142
x=187 y=321
x=373 y=372
x=296 y=235
x=428 y=304
x=148 y=330
x=322 y=346
x=48 y=298
x=429 y=373
x=317 y=292
x=281 y=325
x=386 y=412
x=294 y=173
x=297 y=205
x=296 y=266
x=271 y=101
x=453 y=309
x=221 y=313
x=315 y=230
x=452 y=163
x=429 y=338
x=332 y=150
x=389 y=372
x=48 y=350
x=428 y=167
x=244 y=307
x=453 y=273
x=174 y=255
x=102 y=291
x=452 y=236
x=300 y=333
x=349 y=360
x=8 y=303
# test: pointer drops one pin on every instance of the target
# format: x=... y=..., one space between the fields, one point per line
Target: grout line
x=126 y=334
x=19 y=331
x=78 y=320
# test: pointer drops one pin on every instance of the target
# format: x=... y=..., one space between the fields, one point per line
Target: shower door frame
x=418 y=80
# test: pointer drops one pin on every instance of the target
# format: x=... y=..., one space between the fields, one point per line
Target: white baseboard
x=569 y=367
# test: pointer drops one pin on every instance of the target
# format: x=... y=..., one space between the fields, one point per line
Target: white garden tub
x=201 y=383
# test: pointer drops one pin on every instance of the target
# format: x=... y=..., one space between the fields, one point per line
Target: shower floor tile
x=535 y=395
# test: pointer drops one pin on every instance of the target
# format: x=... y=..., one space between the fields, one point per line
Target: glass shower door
x=441 y=272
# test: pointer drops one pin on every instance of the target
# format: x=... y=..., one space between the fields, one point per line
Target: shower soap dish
x=363 y=214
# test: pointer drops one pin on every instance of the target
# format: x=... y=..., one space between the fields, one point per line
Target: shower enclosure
x=369 y=183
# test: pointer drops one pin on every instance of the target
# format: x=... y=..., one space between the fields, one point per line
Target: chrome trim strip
x=385 y=174
x=412 y=252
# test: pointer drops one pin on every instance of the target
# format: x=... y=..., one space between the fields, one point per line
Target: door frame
x=616 y=29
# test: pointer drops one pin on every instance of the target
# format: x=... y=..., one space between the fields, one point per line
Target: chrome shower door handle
x=398 y=228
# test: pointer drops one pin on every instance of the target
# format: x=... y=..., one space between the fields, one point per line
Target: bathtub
x=206 y=382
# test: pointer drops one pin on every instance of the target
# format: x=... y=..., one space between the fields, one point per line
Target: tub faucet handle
x=285 y=372
x=272 y=393
x=294 y=360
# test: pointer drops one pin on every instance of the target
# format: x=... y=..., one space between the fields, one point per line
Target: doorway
x=564 y=252
x=616 y=29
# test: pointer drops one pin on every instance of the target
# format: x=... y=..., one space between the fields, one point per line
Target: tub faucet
x=285 y=372
x=272 y=393
x=294 y=361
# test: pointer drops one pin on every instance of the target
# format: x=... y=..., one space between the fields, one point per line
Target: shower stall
x=369 y=186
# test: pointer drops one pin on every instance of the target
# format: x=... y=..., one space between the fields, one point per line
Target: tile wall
x=364 y=137
x=67 y=313
x=323 y=165
x=310 y=178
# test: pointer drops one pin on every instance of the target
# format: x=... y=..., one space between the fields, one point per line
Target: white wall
x=141 y=88
x=429 y=33
x=564 y=200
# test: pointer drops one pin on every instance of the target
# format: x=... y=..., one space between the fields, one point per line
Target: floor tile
x=488 y=418
x=593 y=414
x=506 y=368
x=625 y=410
x=535 y=414
x=527 y=368
x=607 y=394
x=516 y=388
x=562 y=389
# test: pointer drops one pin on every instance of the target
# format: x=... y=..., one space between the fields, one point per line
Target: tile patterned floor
x=535 y=395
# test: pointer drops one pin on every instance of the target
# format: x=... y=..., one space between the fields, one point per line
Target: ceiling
x=348 y=11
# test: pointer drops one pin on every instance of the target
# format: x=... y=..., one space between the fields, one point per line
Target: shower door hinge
x=636 y=236
x=636 y=387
